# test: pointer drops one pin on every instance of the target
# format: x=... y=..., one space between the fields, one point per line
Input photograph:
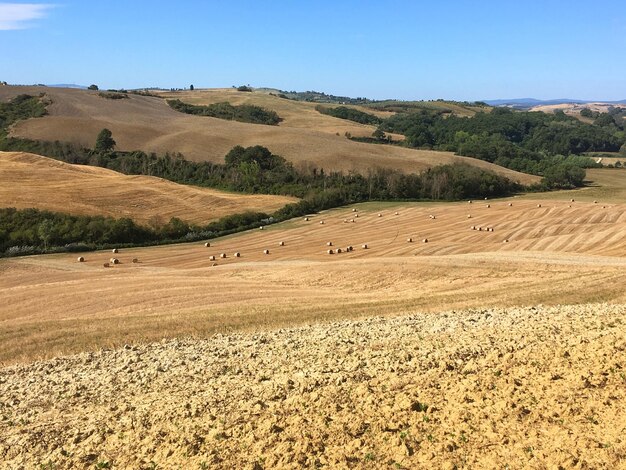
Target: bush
x=243 y=113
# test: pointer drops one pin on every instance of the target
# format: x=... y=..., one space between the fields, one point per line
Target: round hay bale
x=506 y=240
x=330 y=252
x=306 y=219
x=352 y=220
x=473 y=227
x=212 y=258
x=321 y=222
x=266 y=252
x=469 y=216
x=603 y=207
x=425 y=240
x=135 y=260
x=329 y=244
x=431 y=216
x=510 y=204
x=281 y=243
x=396 y=213
x=409 y=240
x=81 y=259
x=207 y=244
x=350 y=248
x=237 y=254
x=569 y=205
x=571 y=200
x=354 y=210
x=114 y=250
x=538 y=205
x=106 y=265
x=364 y=246
x=222 y=255
x=338 y=250
x=469 y=202
x=488 y=205
x=485 y=199
x=595 y=202
x=214 y=264
x=261 y=227
x=480 y=229
x=356 y=216
x=379 y=214
x=114 y=261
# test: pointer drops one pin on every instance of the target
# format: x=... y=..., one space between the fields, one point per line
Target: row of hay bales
x=112 y=261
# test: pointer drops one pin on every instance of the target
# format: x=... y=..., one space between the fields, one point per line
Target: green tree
x=104 y=141
x=92 y=87
x=45 y=230
x=191 y=87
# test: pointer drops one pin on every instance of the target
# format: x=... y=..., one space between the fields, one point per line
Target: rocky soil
x=536 y=387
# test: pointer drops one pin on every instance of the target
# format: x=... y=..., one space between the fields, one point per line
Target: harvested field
x=556 y=254
x=28 y=180
x=538 y=387
x=148 y=123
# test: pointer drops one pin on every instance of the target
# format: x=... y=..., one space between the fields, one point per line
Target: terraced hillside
x=29 y=180
x=305 y=137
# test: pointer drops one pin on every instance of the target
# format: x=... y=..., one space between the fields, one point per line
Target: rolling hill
x=305 y=137
x=33 y=181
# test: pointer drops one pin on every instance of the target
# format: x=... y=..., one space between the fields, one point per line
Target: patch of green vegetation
x=350 y=114
x=242 y=113
x=113 y=95
x=21 y=107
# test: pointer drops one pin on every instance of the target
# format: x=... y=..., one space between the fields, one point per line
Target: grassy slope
x=305 y=137
x=28 y=180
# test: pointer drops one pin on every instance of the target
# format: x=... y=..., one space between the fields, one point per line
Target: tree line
x=244 y=113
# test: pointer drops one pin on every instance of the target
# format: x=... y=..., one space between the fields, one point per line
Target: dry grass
x=53 y=305
x=306 y=137
x=28 y=180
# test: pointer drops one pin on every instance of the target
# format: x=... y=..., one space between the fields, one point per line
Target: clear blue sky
x=454 y=49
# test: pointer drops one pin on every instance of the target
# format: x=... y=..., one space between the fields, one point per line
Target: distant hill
x=67 y=85
x=527 y=103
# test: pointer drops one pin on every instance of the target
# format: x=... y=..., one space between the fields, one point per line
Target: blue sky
x=453 y=49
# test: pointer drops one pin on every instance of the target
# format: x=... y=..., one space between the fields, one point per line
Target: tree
x=379 y=134
x=104 y=141
x=44 y=230
x=191 y=87
x=92 y=87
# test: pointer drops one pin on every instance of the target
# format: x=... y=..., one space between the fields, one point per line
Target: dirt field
x=28 y=180
x=306 y=137
x=534 y=387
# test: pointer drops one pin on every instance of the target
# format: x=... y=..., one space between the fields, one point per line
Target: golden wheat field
x=515 y=251
x=306 y=137
x=30 y=180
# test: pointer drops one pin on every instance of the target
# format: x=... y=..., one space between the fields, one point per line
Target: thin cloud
x=20 y=15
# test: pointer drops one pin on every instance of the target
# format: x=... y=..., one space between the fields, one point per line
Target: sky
x=450 y=49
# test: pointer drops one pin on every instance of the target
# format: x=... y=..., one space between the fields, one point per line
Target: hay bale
x=480 y=229
x=222 y=255
x=207 y=244
x=261 y=227
x=603 y=207
x=571 y=200
x=538 y=205
x=510 y=204
x=214 y=264
x=114 y=261
x=485 y=199
x=281 y=243
x=469 y=202
x=473 y=227
x=321 y=222
x=237 y=254
x=330 y=252
x=329 y=244
x=135 y=260
x=306 y=219
x=396 y=213
x=338 y=250
x=266 y=252
x=356 y=216
x=114 y=250
x=409 y=240
x=350 y=248
x=469 y=216
x=595 y=202
x=352 y=220
x=354 y=210
x=379 y=214
x=488 y=205
x=81 y=259
x=425 y=240
x=106 y=265
x=212 y=258
x=431 y=216
x=506 y=240
x=364 y=246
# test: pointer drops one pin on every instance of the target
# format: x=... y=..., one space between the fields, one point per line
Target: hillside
x=305 y=137
x=28 y=180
